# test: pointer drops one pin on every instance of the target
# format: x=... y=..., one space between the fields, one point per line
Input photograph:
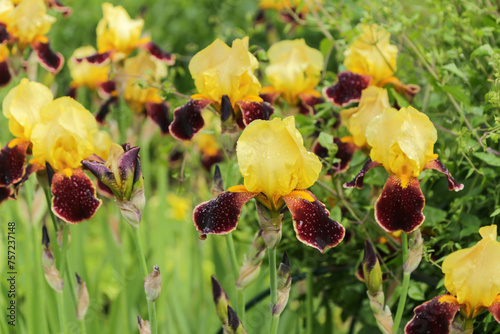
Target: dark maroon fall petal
x=252 y=110
x=4 y=35
x=159 y=54
x=97 y=58
x=4 y=193
x=434 y=316
x=307 y=103
x=347 y=89
x=269 y=97
x=220 y=215
x=158 y=112
x=438 y=165
x=107 y=88
x=495 y=309
x=312 y=223
x=71 y=92
x=4 y=73
x=74 y=197
x=188 y=120
x=400 y=208
x=32 y=168
x=50 y=60
x=105 y=109
x=357 y=182
x=12 y=168
x=208 y=160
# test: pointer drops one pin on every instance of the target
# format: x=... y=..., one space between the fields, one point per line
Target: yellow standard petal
x=403 y=141
x=146 y=70
x=221 y=70
x=65 y=135
x=293 y=68
x=84 y=73
x=117 y=31
x=273 y=160
x=28 y=21
x=22 y=107
x=374 y=100
x=372 y=54
x=473 y=274
x=102 y=144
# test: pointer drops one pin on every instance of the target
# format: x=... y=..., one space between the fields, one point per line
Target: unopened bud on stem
x=270 y=224
x=152 y=284
x=415 y=254
x=83 y=298
x=49 y=264
x=284 y=279
x=371 y=269
x=250 y=269
x=144 y=327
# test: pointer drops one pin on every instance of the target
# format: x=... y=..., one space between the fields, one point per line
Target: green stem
x=83 y=329
x=142 y=260
x=404 y=288
x=60 y=311
x=274 y=287
x=309 y=301
x=234 y=264
x=46 y=191
x=469 y=326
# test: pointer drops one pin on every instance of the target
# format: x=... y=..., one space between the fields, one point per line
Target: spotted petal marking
x=158 y=112
x=400 y=208
x=50 y=60
x=252 y=110
x=347 y=89
x=188 y=120
x=13 y=158
x=74 y=197
x=220 y=215
x=312 y=222
x=434 y=316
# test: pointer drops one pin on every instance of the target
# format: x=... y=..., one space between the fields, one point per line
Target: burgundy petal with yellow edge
x=50 y=60
x=4 y=73
x=252 y=110
x=158 y=112
x=438 y=165
x=400 y=208
x=188 y=120
x=107 y=88
x=308 y=101
x=32 y=168
x=312 y=222
x=13 y=158
x=434 y=316
x=4 y=193
x=56 y=5
x=348 y=88
x=220 y=215
x=97 y=58
x=104 y=110
x=495 y=308
x=357 y=182
x=4 y=34
x=159 y=54
x=74 y=197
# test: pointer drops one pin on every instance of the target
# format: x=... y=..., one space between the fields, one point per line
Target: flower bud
x=371 y=270
x=152 y=284
x=144 y=327
x=83 y=298
x=235 y=325
x=415 y=253
x=49 y=264
x=284 y=279
x=250 y=269
x=122 y=174
x=60 y=236
x=221 y=303
x=270 y=224
x=217 y=184
x=382 y=314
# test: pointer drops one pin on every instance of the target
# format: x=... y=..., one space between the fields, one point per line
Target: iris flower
x=60 y=133
x=403 y=143
x=224 y=78
x=26 y=24
x=294 y=71
x=472 y=278
x=370 y=60
x=277 y=170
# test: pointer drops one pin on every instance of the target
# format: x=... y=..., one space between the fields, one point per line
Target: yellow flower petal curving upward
x=293 y=68
x=473 y=274
x=372 y=54
x=65 y=135
x=374 y=100
x=221 y=70
x=28 y=20
x=22 y=107
x=273 y=160
x=403 y=141
x=116 y=31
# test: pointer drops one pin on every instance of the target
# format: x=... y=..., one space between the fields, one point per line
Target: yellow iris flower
x=273 y=160
x=372 y=54
x=403 y=141
x=85 y=73
x=472 y=274
x=221 y=70
x=294 y=68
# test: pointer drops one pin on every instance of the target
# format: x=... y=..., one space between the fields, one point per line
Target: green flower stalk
x=152 y=284
x=284 y=284
x=252 y=263
x=373 y=279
